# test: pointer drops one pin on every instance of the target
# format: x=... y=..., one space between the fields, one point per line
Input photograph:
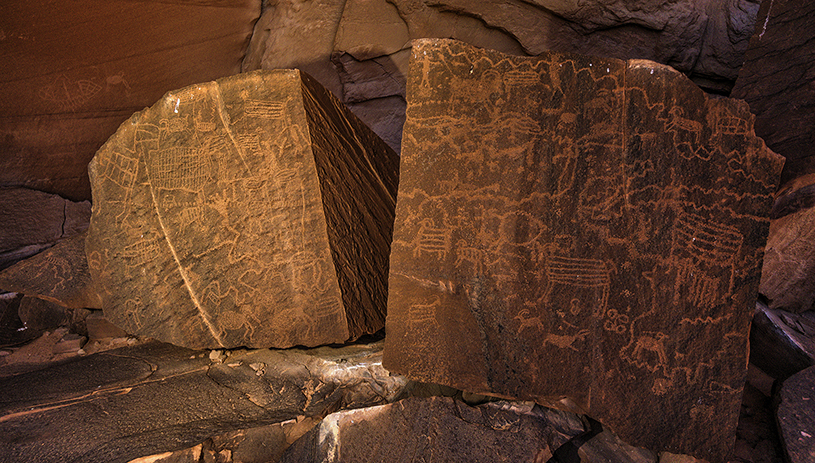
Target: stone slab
x=795 y=415
x=153 y=398
x=583 y=227
x=776 y=79
x=781 y=343
x=257 y=210
x=59 y=274
x=33 y=220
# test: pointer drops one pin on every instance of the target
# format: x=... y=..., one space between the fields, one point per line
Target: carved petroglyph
x=600 y=217
x=217 y=201
x=67 y=94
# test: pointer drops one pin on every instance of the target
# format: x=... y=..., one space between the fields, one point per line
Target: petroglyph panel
x=593 y=227
x=213 y=227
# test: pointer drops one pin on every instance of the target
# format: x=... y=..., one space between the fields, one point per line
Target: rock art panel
x=252 y=211
x=583 y=227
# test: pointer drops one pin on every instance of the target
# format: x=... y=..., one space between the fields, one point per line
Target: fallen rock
x=782 y=343
x=436 y=428
x=40 y=315
x=59 y=274
x=100 y=328
x=789 y=262
x=445 y=429
x=538 y=230
x=12 y=330
x=256 y=209
x=777 y=81
x=33 y=221
x=155 y=398
x=262 y=444
x=75 y=72
x=796 y=416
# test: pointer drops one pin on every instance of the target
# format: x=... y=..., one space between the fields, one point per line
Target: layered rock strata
x=582 y=227
x=252 y=211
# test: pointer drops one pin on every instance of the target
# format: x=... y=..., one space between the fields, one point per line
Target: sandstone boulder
x=796 y=416
x=789 y=258
x=59 y=274
x=252 y=211
x=582 y=227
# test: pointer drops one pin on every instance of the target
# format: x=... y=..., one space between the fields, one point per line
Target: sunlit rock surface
x=252 y=211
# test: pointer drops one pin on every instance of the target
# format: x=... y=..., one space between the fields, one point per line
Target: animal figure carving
x=654 y=344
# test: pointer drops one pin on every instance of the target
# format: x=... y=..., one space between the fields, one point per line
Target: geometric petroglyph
x=220 y=229
x=594 y=228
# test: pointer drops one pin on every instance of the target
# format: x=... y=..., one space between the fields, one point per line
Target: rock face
x=582 y=227
x=782 y=343
x=75 y=72
x=368 y=41
x=59 y=274
x=33 y=221
x=251 y=211
x=777 y=81
x=789 y=262
x=796 y=416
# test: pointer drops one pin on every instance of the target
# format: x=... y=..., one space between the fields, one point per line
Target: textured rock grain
x=582 y=227
x=252 y=211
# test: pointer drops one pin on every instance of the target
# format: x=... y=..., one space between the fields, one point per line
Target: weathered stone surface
x=445 y=429
x=40 y=315
x=33 y=221
x=252 y=211
x=782 y=343
x=12 y=330
x=367 y=40
x=59 y=274
x=789 y=262
x=262 y=444
x=796 y=416
x=74 y=72
x=142 y=400
x=100 y=328
x=577 y=226
x=777 y=81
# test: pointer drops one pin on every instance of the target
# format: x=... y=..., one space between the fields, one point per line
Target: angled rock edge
x=583 y=227
x=251 y=211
